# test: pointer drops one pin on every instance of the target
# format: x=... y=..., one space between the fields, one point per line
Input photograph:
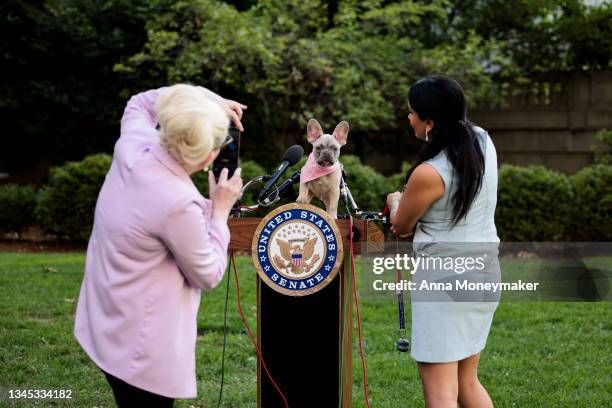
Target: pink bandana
x=312 y=171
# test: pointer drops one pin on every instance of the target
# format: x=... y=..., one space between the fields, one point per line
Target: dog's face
x=326 y=148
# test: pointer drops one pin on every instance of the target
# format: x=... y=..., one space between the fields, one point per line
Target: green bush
x=534 y=204
x=250 y=170
x=17 y=206
x=67 y=204
x=396 y=181
x=369 y=188
x=591 y=219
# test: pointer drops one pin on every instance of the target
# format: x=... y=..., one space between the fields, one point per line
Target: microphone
x=283 y=189
x=292 y=156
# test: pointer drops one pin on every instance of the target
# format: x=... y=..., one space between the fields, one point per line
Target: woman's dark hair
x=442 y=100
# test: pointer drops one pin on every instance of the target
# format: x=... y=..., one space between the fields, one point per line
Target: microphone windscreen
x=293 y=154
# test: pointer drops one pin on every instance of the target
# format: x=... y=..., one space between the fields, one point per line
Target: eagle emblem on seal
x=297 y=255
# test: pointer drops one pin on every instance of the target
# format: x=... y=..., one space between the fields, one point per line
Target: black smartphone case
x=228 y=157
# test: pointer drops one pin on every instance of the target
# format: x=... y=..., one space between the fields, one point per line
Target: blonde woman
x=156 y=243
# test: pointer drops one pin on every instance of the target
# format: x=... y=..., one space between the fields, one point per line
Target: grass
x=539 y=354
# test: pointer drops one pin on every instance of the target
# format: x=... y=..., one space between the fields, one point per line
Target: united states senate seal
x=297 y=249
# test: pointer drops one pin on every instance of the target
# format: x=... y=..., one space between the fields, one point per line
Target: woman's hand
x=224 y=193
x=234 y=110
x=393 y=200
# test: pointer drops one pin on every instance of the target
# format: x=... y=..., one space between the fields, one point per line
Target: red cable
x=244 y=320
x=363 y=365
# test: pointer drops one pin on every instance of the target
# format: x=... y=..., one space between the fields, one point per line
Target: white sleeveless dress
x=447 y=329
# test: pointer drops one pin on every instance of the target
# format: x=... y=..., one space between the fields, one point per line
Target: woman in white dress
x=450 y=197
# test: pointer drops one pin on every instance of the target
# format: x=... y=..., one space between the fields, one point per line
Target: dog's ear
x=314 y=130
x=341 y=132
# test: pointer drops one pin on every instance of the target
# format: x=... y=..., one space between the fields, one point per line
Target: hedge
x=592 y=212
x=534 y=203
x=66 y=205
x=17 y=206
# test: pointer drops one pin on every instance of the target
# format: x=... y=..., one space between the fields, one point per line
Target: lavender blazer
x=153 y=247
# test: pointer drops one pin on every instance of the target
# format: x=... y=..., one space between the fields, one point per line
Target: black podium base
x=300 y=344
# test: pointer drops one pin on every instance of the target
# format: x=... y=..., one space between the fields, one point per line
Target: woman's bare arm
x=424 y=187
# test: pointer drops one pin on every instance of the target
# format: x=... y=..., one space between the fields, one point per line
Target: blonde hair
x=191 y=125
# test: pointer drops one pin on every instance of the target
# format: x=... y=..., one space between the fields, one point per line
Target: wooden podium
x=299 y=337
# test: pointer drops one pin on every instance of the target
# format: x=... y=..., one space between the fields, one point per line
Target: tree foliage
x=60 y=97
x=71 y=64
x=289 y=62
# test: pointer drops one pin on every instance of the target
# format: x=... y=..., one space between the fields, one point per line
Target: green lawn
x=538 y=354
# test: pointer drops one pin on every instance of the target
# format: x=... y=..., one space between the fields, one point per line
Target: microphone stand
x=237 y=209
x=347 y=196
x=236 y=212
x=281 y=191
x=352 y=206
x=271 y=198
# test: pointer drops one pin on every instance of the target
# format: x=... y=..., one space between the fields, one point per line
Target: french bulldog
x=320 y=176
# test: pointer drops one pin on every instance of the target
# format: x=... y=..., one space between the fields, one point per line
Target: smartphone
x=228 y=156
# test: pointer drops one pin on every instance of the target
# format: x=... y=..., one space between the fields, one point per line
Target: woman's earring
x=206 y=169
x=426 y=135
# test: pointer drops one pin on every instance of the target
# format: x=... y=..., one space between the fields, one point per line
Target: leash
x=403 y=345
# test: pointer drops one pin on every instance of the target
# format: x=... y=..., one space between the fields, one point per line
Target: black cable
x=229 y=264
